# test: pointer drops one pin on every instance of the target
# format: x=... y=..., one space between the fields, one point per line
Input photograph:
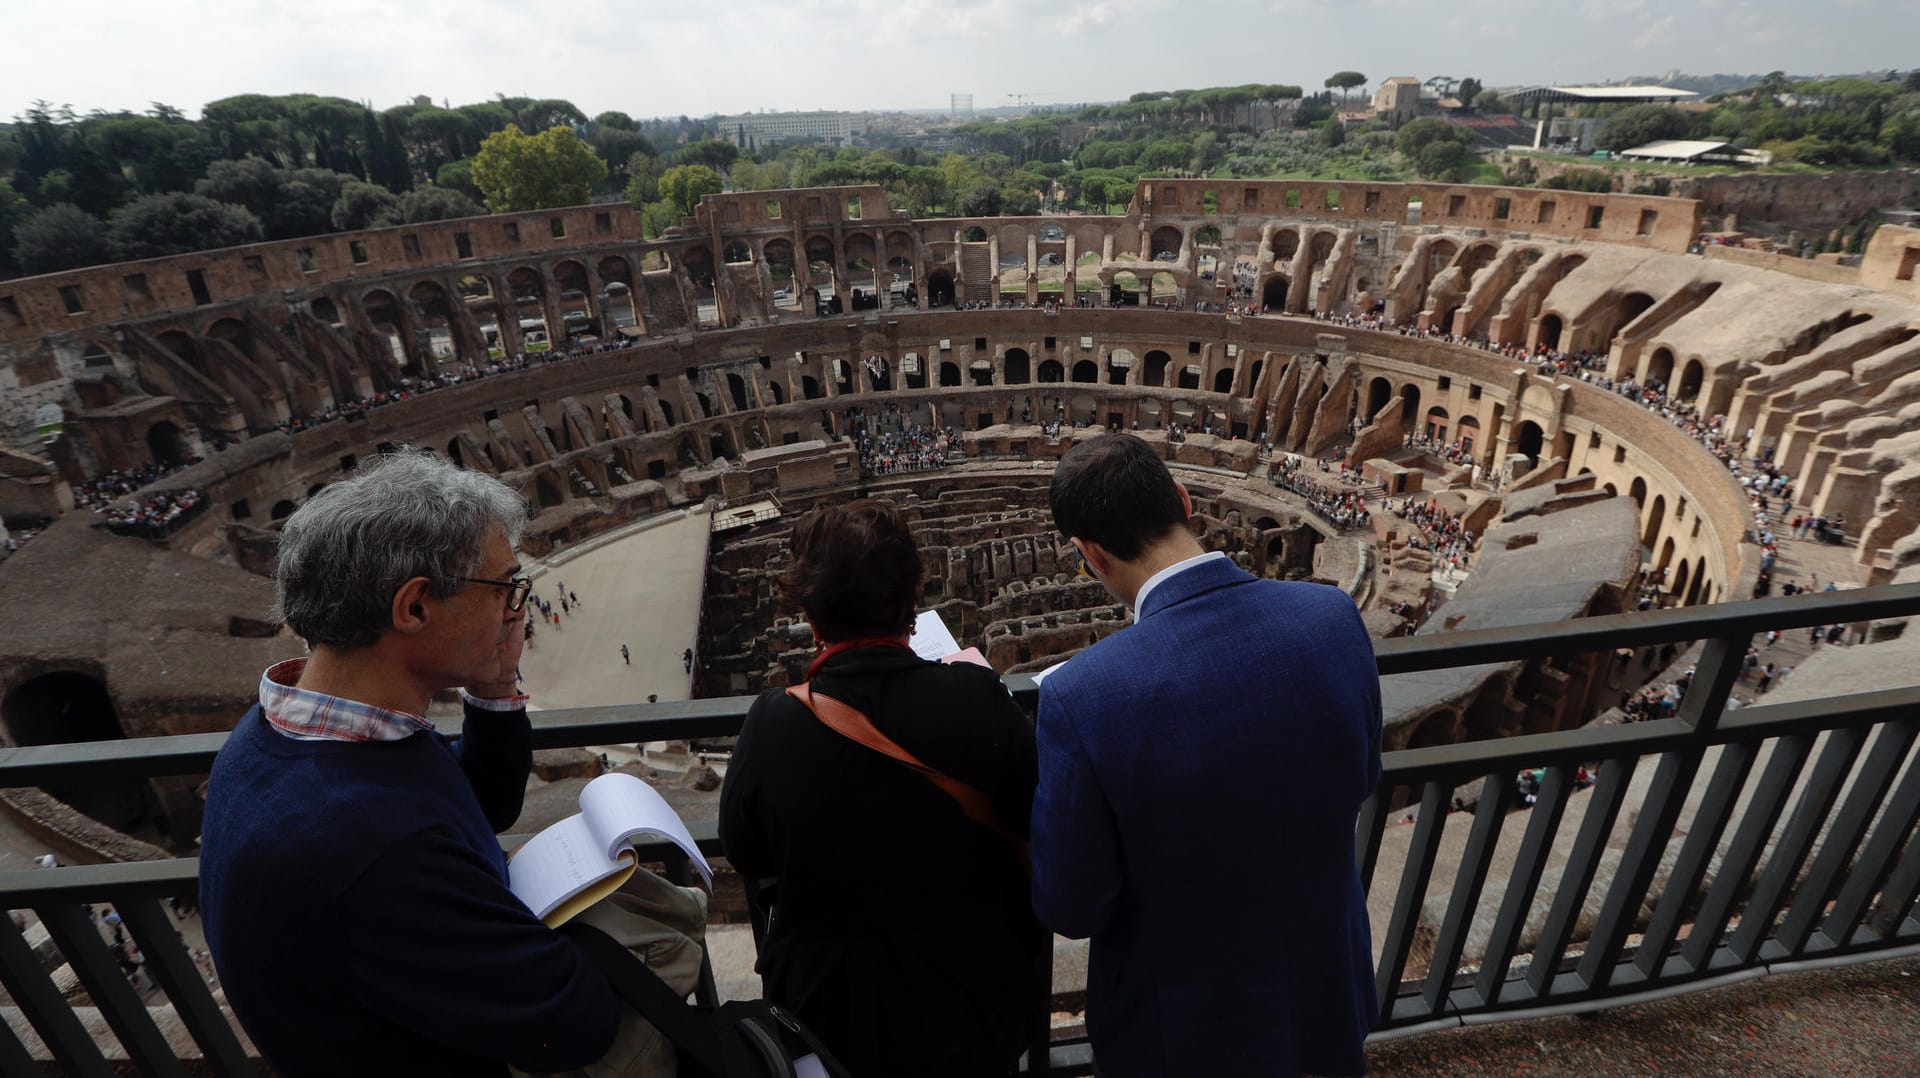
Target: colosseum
x=1467 y=406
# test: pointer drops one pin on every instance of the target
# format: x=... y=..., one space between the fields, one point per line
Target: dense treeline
x=81 y=189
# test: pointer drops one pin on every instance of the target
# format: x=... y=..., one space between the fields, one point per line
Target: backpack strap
x=690 y=1029
x=851 y=722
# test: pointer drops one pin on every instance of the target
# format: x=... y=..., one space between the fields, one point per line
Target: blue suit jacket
x=1200 y=775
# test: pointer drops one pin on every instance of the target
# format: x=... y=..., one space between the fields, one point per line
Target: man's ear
x=411 y=606
x=1099 y=559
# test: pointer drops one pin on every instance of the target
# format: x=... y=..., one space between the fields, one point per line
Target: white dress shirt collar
x=1154 y=581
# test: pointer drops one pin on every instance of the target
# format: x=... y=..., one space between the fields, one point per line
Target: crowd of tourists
x=1342 y=508
x=1440 y=531
x=888 y=444
x=154 y=516
x=108 y=487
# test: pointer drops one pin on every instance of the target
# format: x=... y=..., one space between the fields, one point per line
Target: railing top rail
x=37 y=765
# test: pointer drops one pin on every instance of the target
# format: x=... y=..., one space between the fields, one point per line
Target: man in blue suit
x=1200 y=776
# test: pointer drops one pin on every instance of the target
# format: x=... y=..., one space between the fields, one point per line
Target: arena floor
x=640 y=587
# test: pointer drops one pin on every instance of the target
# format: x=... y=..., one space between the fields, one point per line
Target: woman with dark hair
x=899 y=926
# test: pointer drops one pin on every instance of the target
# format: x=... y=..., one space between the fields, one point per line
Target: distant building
x=755 y=130
x=1397 y=100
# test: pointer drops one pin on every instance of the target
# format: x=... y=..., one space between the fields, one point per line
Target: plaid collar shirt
x=305 y=715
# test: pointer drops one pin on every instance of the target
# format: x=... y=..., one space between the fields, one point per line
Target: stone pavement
x=1860 y=1020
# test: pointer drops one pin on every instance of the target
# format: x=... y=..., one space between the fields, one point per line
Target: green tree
x=684 y=185
x=13 y=210
x=1638 y=125
x=304 y=205
x=617 y=120
x=59 y=237
x=363 y=205
x=643 y=178
x=458 y=176
x=520 y=172
x=1345 y=81
x=713 y=153
x=435 y=204
x=156 y=225
x=1333 y=134
x=1467 y=91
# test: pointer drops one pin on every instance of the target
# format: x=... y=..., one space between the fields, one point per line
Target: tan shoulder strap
x=852 y=723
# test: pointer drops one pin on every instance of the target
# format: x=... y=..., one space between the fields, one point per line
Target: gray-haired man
x=355 y=897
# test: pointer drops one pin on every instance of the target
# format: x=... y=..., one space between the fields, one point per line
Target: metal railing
x=1743 y=893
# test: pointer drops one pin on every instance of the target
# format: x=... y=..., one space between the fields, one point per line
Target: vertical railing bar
x=15 y=1060
x=1870 y=782
x=1696 y=853
x=1471 y=878
x=1871 y=872
x=1413 y=891
x=1899 y=892
x=1369 y=831
x=1803 y=827
x=1550 y=805
x=1672 y=778
x=124 y=1011
x=1712 y=684
x=1582 y=862
x=52 y=1017
x=170 y=964
x=1769 y=800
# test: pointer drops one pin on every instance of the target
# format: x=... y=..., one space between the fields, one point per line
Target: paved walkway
x=642 y=589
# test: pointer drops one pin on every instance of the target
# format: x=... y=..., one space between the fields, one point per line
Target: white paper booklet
x=587 y=856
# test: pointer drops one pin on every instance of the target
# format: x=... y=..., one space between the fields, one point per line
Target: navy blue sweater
x=355 y=901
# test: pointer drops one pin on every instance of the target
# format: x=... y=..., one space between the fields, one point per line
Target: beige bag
x=664 y=926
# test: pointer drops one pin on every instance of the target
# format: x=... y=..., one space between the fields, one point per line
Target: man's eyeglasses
x=1080 y=566
x=517 y=589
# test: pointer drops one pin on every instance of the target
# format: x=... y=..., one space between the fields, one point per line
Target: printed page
x=931 y=639
x=561 y=863
x=1041 y=675
x=619 y=807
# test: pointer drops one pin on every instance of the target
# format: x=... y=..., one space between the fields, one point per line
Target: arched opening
x=736 y=253
x=949 y=374
x=1051 y=371
x=1632 y=306
x=1156 y=371
x=1223 y=380
x=1660 y=367
x=1530 y=440
x=453 y=452
x=234 y=333
x=324 y=310
x=1188 y=378
x=167 y=445
x=69 y=706
x=1274 y=296
x=810 y=387
x=1698 y=591
x=1165 y=244
x=737 y=389
x=1435 y=427
x=181 y=345
x=1379 y=392
x=1468 y=432
x=283 y=509
x=1666 y=554
x=1409 y=407
x=778 y=255
x=1550 y=332
x=528 y=292
x=1655 y=517
x=974 y=234
x=1682 y=575
x=1086 y=371
x=1690 y=378
x=1018 y=367
x=940 y=288
x=1119 y=362
x=1638 y=492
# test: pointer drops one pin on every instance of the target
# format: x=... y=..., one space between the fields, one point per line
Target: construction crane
x=1023 y=100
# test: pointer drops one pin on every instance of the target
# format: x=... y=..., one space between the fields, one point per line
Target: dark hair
x=856 y=571
x=1116 y=491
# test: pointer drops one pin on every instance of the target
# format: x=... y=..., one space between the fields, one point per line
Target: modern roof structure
x=1603 y=94
x=1691 y=150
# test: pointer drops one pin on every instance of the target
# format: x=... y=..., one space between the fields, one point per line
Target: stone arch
x=1529 y=439
x=234 y=333
x=181 y=345
x=940 y=287
x=1435 y=427
x=1656 y=516
x=1051 y=371
x=950 y=374
x=1283 y=244
x=778 y=256
x=1467 y=432
x=1660 y=366
x=1086 y=371
x=1409 y=407
x=1018 y=367
x=1155 y=373
x=1274 y=296
x=324 y=309
x=1666 y=553
x=973 y=234
x=1638 y=492
x=283 y=509
x=1223 y=380
x=1550 y=326
x=1188 y=377
x=736 y=253
x=167 y=444
x=1119 y=362
x=528 y=293
x=1690 y=378
x=737 y=389
x=62 y=706
x=1699 y=590
x=1630 y=307
x=1379 y=392
x=1682 y=575
x=1164 y=244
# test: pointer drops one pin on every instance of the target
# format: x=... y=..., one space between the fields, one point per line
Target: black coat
x=902 y=932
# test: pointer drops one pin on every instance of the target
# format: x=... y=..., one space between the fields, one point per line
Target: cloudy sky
x=652 y=59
